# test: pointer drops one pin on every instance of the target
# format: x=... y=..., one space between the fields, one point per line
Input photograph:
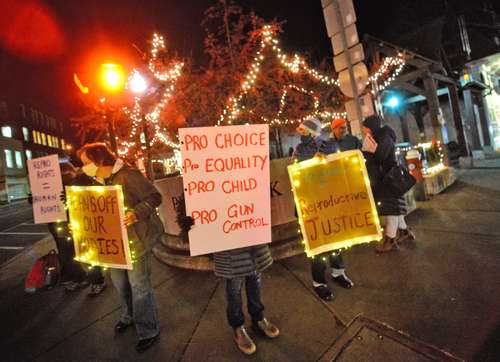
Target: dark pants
x=234 y=309
x=95 y=275
x=71 y=270
x=318 y=265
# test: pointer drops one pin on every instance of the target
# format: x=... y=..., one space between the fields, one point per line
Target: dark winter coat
x=307 y=148
x=242 y=262
x=378 y=164
x=143 y=198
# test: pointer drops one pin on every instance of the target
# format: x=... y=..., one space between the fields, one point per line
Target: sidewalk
x=443 y=290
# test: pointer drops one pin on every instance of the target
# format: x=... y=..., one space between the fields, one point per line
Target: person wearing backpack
x=141 y=198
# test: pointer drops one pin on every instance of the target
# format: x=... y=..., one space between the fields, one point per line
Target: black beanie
x=373 y=123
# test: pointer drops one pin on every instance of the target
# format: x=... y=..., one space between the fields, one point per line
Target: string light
x=295 y=64
x=397 y=63
x=167 y=78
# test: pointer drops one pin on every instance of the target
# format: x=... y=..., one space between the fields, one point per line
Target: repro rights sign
x=46 y=188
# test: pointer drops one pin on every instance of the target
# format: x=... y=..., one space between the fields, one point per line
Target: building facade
x=25 y=133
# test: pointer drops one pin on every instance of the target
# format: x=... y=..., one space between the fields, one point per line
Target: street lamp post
x=112 y=80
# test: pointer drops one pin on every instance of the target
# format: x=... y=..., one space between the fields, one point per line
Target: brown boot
x=266 y=328
x=388 y=245
x=405 y=234
x=243 y=341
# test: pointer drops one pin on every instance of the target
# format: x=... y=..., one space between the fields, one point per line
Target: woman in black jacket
x=379 y=160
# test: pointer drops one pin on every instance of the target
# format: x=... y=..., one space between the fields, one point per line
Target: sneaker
x=146 y=343
x=96 y=289
x=266 y=328
x=243 y=341
x=343 y=280
x=324 y=292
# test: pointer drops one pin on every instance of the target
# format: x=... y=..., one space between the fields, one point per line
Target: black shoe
x=324 y=292
x=344 y=281
x=144 y=344
x=120 y=327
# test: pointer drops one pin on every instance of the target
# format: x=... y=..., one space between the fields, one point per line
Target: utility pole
x=340 y=19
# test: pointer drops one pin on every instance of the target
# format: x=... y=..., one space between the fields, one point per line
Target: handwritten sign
x=46 y=188
x=226 y=186
x=96 y=214
x=334 y=202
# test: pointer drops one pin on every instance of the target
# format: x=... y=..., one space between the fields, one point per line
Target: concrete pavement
x=443 y=290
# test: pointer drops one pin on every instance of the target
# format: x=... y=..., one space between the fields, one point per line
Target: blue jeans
x=234 y=309
x=136 y=297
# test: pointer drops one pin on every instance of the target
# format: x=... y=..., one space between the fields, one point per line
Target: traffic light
x=112 y=77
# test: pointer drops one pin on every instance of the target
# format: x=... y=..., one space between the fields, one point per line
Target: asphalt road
x=17 y=230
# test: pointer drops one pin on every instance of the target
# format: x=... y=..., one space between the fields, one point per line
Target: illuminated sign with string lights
x=96 y=220
x=334 y=202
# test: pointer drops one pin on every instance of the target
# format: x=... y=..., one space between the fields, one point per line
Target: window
x=19 y=159
x=57 y=142
x=33 y=136
x=8 y=159
x=49 y=140
x=26 y=134
x=29 y=155
x=44 y=139
x=63 y=144
x=7 y=131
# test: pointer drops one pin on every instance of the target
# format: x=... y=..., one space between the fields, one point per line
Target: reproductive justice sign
x=226 y=186
x=334 y=202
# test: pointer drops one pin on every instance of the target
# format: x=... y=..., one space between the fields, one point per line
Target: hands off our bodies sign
x=46 y=188
x=226 y=186
x=334 y=202
x=99 y=234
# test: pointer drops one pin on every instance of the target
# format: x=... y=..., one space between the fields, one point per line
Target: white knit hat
x=313 y=125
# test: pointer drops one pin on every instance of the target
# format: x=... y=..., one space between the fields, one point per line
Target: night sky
x=90 y=25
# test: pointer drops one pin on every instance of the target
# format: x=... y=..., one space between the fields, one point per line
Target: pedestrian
x=379 y=152
x=242 y=268
x=73 y=275
x=95 y=275
x=305 y=150
x=141 y=199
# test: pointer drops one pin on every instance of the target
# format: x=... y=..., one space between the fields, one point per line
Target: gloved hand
x=62 y=196
x=185 y=223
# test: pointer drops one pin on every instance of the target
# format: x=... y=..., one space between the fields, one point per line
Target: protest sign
x=46 y=188
x=226 y=186
x=334 y=202
x=96 y=214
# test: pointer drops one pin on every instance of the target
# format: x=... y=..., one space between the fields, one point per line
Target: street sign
x=366 y=107
x=333 y=25
x=360 y=77
x=357 y=55
x=351 y=36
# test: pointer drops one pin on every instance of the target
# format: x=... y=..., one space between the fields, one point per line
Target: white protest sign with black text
x=46 y=188
x=226 y=186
